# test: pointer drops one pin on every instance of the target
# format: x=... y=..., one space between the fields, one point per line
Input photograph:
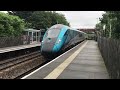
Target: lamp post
x=97 y=20
x=110 y=28
x=104 y=27
x=109 y=23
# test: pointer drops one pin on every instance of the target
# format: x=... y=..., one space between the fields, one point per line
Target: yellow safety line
x=57 y=71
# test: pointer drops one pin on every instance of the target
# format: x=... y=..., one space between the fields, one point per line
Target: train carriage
x=60 y=37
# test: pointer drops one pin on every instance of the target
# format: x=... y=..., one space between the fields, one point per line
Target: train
x=60 y=37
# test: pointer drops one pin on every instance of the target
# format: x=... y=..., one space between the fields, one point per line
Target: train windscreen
x=52 y=33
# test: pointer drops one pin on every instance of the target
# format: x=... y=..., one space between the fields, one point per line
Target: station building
x=34 y=35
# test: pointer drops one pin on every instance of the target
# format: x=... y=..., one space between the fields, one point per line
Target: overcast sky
x=82 y=19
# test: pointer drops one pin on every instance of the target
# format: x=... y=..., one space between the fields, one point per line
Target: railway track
x=11 y=62
x=12 y=68
x=16 y=68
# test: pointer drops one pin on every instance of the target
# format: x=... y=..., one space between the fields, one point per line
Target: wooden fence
x=14 y=41
x=110 y=50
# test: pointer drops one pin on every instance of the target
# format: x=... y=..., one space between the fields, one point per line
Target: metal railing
x=14 y=41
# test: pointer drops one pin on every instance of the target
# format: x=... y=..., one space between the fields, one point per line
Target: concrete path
x=82 y=62
x=88 y=64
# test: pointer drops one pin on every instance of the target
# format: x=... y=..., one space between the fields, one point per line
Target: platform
x=14 y=48
x=82 y=62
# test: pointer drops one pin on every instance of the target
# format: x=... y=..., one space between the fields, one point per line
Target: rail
x=12 y=68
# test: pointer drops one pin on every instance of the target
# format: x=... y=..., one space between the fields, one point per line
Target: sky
x=82 y=19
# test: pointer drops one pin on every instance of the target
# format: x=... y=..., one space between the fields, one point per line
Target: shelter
x=33 y=34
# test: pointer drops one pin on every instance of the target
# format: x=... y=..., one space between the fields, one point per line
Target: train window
x=66 y=33
x=73 y=33
x=52 y=33
x=76 y=33
x=80 y=34
x=68 y=36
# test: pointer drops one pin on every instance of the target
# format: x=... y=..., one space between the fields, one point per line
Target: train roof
x=76 y=30
x=61 y=26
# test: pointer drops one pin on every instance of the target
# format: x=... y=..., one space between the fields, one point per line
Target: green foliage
x=111 y=19
x=22 y=14
x=10 y=25
x=41 y=19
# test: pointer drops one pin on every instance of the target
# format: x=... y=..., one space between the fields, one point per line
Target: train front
x=51 y=42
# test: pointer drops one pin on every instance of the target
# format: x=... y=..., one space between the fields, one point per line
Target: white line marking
x=57 y=71
x=49 y=62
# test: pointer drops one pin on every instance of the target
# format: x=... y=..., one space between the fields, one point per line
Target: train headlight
x=58 y=41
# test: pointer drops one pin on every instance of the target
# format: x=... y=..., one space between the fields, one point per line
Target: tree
x=41 y=19
x=111 y=19
x=10 y=25
x=23 y=15
x=59 y=18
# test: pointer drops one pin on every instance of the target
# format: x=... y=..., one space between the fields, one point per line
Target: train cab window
x=52 y=33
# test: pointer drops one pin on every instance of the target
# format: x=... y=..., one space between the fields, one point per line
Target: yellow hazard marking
x=57 y=71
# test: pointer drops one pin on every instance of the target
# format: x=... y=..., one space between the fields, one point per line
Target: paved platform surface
x=13 y=48
x=82 y=62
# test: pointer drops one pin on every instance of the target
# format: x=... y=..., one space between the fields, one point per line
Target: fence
x=14 y=41
x=110 y=50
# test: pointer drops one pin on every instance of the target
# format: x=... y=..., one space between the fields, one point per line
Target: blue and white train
x=60 y=37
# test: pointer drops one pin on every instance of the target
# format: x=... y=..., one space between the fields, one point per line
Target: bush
x=10 y=25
